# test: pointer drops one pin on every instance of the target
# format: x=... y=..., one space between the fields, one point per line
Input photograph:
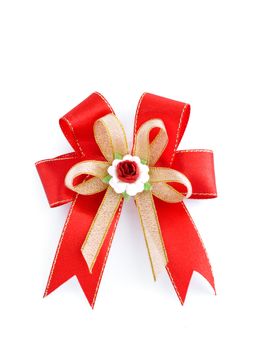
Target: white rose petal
x=118 y=186
x=112 y=171
x=144 y=168
x=139 y=186
x=136 y=160
x=134 y=188
x=113 y=181
x=127 y=157
x=144 y=177
x=116 y=162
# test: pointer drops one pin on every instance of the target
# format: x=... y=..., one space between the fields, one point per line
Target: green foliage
x=147 y=186
x=125 y=195
x=106 y=179
x=117 y=155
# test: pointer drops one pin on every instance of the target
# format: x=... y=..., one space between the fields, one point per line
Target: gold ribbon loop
x=150 y=152
x=163 y=175
x=110 y=136
x=90 y=167
x=167 y=193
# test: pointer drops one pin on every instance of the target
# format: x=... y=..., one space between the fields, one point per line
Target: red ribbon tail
x=185 y=250
x=69 y=261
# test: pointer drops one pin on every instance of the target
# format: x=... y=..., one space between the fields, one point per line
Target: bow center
x=128 y=175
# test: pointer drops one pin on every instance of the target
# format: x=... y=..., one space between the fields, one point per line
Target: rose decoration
x=154 y=173
x=128 y=175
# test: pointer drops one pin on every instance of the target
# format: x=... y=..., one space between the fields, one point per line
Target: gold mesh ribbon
x=159 y=177
x=111 y=139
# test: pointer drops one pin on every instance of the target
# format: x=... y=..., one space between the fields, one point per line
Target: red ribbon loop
x=184 y=247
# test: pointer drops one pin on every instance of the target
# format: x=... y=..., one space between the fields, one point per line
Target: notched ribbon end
x=88 y=259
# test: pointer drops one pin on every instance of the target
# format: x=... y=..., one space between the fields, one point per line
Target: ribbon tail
x=69 y=261
x=152 y=232
x=186 y=252
x=99 y=227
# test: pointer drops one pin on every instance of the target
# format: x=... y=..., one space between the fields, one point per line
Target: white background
x=53 y=55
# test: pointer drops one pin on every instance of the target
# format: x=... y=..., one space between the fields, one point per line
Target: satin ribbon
x=111 y=139
x=171 y=228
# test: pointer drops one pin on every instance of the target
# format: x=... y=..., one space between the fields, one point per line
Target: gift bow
x=111 y=139
x=170 y=234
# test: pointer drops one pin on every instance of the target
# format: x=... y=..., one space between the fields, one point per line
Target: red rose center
x=127 y=171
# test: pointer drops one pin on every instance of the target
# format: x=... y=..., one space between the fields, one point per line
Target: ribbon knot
x=94 y=178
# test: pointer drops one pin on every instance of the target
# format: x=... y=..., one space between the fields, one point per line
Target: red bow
x=184 y=247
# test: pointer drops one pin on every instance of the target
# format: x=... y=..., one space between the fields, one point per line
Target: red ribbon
x=184 y=247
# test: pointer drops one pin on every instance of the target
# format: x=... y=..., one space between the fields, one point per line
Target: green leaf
x=143 y=161
x=125 y=195
x=117 y=155
x=147 y=186
x=106 y=179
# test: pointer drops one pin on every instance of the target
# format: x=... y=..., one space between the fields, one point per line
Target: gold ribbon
x=111 y=139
